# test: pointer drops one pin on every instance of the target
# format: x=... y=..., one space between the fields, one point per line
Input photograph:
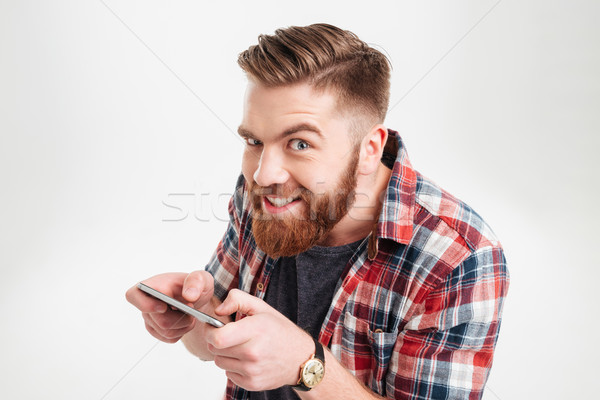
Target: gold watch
x=313 y=370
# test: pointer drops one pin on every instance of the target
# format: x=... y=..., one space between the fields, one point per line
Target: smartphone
x=200 y=316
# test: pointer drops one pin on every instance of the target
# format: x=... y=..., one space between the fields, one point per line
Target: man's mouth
x=274 y=204
x=280 y=201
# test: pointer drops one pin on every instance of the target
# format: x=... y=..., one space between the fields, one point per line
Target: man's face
x=299 y=163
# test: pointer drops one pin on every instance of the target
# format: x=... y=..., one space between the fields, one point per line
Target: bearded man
x=343 y=273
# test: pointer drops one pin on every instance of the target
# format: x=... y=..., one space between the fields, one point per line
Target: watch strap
x=319 y=352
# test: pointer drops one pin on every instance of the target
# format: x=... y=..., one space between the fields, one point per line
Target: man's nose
x=271 y=169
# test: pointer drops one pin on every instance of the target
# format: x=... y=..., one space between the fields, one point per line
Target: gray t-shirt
x=302 y=288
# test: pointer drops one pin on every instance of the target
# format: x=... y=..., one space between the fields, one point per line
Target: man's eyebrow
x=245 y=133
x=303 y=126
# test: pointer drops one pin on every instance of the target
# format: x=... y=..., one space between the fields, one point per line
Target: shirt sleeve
x=224 y=263
x=445 y=350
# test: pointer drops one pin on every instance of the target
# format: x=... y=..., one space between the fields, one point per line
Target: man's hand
x=263 y=350
x=161 y=321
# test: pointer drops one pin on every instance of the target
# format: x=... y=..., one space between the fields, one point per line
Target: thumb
x=239 y=301
x=198 y=287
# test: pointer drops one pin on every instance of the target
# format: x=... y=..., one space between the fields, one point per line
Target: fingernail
x=192 y=292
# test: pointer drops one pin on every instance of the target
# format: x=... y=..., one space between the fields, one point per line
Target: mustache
x=280 y=190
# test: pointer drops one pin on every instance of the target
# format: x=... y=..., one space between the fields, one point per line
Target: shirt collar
x=397 y=213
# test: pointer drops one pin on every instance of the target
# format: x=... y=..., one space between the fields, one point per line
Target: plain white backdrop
x=117 y=157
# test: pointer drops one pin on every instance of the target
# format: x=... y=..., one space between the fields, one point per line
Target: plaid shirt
x=418 y=313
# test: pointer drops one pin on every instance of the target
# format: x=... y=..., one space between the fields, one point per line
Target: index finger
x=143 y=302
x=169 y=283
x=232 y=334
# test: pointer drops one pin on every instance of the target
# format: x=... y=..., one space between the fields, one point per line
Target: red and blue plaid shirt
x=417 y=314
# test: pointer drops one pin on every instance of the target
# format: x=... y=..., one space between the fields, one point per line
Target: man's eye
x=298 y=144
x=253 y=142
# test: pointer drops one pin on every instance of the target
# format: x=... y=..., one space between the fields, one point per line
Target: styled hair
x=326 y=57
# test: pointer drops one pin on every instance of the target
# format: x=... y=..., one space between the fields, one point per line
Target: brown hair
x=326 y=57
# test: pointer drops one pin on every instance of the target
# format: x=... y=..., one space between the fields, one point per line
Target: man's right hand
x=161 y=321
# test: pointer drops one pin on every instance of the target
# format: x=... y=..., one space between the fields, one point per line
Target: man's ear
x=371 y=149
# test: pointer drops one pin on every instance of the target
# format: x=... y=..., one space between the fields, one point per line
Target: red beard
x=292 y=235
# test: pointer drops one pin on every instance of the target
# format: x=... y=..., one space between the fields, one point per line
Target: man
x=343 y=273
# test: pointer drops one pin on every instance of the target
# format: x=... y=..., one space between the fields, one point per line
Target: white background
x=109 y=110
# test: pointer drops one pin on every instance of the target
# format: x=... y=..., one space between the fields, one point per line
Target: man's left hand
x=263 y=350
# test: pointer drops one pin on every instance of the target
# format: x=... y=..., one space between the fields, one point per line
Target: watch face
x=313 y=373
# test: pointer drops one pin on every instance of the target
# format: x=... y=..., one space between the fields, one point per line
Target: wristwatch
x=313 y=370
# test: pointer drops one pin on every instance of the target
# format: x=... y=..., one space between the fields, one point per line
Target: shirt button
x=260 y=286
x=378 y=331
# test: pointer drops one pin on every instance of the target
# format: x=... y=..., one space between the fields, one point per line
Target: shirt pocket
x=368 y=351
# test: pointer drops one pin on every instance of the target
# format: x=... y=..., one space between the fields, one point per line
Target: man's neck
x=364 y=213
